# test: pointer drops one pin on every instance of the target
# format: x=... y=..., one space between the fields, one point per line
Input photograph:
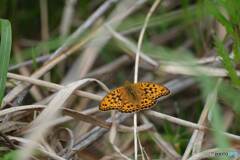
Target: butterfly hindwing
x=128 y=107
x=146 y=103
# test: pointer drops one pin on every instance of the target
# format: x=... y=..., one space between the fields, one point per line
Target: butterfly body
x=132 y=93
x=133 y=97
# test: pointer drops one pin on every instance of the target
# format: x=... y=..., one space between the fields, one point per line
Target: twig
x=140 y=40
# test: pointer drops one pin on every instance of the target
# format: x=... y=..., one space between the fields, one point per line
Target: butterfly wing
x=150 y=92
x=117 y=99
x=147 y=92
x=128 y=107
x=153 y=90
x=113 y=100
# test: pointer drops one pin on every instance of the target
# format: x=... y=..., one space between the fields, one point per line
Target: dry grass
x=44 y=117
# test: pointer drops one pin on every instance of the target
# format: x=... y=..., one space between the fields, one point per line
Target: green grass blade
x=230 y=95
x=217 y=123
x=228 y=64
x=39 y=49
x=210 y=88
x=215 y=116
x=5 y=50
x=212 y=8
x=11 y=155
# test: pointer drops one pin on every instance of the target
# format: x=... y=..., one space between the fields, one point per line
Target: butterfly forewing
x=153 y=90
x=113 y=100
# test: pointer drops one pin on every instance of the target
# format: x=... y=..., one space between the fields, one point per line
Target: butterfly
x=133 y=97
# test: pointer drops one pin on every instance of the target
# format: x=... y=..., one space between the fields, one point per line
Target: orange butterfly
x=133 y=97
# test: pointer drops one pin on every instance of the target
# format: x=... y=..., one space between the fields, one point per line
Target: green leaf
x=5 y=51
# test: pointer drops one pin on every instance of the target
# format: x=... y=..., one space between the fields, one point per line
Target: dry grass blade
x=143 y=152
x=194 y=70
x=86 y=118
x=112 y=136
x=83 y=27
x=6 y=141
x=85 y=62
x=92 y=136
x=41 y=125
x=111 y=67
x=34 y=91
x=131 y=46
x=113 y=130
x=68 y=13
x=29 y=62
x=210 y=153
x=56 y=86
x=163 y=145
x=55 y=140
x=41 y=71
x=195 y=139
x=50 y=105
x=187 y=123
x=11 y=126
x=79 y=116
x=44 y=20
x=39 y=147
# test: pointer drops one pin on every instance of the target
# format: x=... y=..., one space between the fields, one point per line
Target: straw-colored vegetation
x=59 y=58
